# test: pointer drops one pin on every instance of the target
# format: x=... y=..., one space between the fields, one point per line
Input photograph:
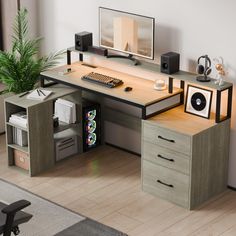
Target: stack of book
x=19 y=118
x=65 y=111
x=20 y=137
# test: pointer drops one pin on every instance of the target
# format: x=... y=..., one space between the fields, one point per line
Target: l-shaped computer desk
x=184 y=157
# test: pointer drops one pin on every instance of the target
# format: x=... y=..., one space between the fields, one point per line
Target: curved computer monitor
x=125 y=32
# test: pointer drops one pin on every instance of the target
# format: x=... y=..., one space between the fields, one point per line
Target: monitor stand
x=129 y=57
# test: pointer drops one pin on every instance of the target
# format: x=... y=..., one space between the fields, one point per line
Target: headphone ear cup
x=200 y=69
x=208 y=71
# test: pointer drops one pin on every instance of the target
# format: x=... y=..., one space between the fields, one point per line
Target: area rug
x=51 y=219
x=90 y=227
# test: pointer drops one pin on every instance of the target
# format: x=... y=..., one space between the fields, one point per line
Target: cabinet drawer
x=165 y=183
x=165 y=157
x=166 y=138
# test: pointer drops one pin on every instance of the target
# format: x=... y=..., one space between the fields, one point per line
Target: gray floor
x=48 y=218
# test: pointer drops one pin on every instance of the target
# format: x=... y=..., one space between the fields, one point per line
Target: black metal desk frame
x=218 y=117
x=143 y=108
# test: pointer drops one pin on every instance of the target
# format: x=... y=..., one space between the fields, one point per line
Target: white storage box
x=66 y=147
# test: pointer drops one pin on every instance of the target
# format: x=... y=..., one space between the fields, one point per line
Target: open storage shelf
x=40 y=151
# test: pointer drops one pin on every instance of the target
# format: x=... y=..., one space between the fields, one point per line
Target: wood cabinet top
x=178 y=120
x=58 y=90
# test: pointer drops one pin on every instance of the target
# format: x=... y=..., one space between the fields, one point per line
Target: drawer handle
x=168 y=185
x=166 y=139
x=165 y=158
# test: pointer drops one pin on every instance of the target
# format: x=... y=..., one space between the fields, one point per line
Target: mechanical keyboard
x=103 y=80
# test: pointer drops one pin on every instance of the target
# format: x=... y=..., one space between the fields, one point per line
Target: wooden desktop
x=143 y=94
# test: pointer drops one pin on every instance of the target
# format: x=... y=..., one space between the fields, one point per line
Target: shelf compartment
x=21 y=159
x=64 y=126
x=17 y=126
x=18 y=147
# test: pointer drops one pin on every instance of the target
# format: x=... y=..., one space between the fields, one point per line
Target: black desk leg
x=182 y=94
x=81 y=57
x=229 y=105
x=170 y=88
x=218 y=100
x=144 y=115
x=41 y=82
x=68 y=57
x=45 y=85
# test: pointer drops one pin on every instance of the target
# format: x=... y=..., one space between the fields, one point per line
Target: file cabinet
x=184 y=157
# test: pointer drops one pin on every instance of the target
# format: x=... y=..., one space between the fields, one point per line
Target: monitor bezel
x=126 y=52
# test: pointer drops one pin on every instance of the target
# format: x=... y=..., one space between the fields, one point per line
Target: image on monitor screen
x=127 y=32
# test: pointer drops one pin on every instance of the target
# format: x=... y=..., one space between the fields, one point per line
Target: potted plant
x=21 y=67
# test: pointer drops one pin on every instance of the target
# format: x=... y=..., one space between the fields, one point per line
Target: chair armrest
x=15 y=206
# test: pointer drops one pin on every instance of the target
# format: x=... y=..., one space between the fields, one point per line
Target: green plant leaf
x=21 y=66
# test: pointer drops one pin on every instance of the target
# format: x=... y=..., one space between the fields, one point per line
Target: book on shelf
x=20 y=137
x=19 y=118
x=65 y=111
x=39 y=94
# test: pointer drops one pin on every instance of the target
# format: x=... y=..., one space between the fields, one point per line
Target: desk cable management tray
x=103 y=80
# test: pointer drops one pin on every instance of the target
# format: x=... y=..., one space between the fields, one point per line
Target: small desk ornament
x=220 y=68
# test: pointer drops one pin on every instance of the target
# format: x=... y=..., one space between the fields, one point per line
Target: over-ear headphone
x=206 y=70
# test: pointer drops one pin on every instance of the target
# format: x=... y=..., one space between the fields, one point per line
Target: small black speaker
x=170 y=62
x=83 y=40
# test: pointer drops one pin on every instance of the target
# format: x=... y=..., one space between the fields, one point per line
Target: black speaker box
x=170 y=62
x=98 y=50
x=83 y=40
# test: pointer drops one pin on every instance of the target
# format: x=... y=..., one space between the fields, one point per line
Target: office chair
x=11 y=216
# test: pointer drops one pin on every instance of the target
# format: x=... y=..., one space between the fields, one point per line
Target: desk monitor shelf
x=182 y=76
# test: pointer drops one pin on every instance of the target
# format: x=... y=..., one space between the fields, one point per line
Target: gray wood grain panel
x=166 y=138
x=122 y=119
x=166 y=157
x=209 y=171
x=179 y=190
x=41 y=142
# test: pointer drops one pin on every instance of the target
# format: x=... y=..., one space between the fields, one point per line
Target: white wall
x=9 y=9
x=190 y=27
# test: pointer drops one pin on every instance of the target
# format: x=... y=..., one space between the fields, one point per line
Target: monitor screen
x=126 y=32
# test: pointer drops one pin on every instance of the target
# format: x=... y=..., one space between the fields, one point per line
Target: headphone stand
x=203 y=78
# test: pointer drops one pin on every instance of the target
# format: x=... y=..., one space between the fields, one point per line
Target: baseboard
x=232 y=188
